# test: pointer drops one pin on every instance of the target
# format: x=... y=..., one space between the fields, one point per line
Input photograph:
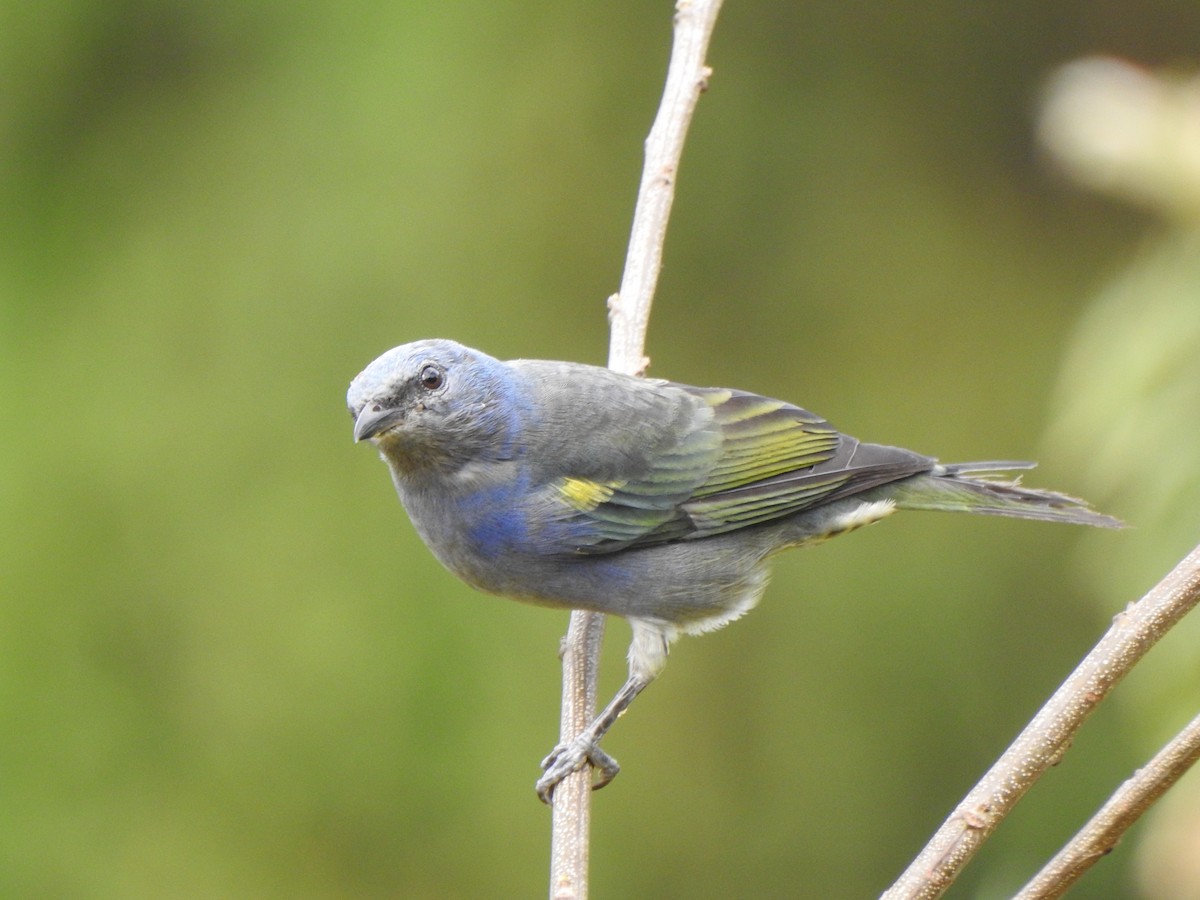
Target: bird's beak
x=374 y=420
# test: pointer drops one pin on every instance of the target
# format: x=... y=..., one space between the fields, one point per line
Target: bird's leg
x=566 y=758
x=647 y=656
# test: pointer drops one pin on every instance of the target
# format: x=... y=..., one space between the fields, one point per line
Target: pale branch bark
x=687 y=78
x=571 y=801
x=629 y=316
x=1113 y=819
x=1047 y=737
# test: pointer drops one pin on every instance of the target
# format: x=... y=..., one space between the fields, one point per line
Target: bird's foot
x=567 y=758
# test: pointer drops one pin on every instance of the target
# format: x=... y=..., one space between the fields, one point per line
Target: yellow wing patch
x=584 y=494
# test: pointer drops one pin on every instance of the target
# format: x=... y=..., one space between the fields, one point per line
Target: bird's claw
x=567 y=758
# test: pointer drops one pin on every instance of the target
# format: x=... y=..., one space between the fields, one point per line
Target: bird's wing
x=729 y=460
x=777 y=460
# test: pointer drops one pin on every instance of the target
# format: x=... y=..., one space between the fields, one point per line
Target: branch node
x=979 y=817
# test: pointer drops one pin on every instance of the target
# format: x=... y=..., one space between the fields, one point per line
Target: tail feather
x=981 y=488
x=993 y=466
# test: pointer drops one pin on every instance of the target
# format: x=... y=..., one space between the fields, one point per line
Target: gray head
x=436 y=403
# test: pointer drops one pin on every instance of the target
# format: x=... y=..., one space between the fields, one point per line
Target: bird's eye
x=431 y=377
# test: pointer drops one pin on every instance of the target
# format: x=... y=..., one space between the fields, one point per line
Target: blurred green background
x=228 y=667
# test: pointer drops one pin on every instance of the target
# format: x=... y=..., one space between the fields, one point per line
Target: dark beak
x=374 y=420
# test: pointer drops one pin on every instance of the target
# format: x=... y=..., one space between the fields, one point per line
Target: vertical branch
x=629 y=315
x=571 y=801
x=687 y=78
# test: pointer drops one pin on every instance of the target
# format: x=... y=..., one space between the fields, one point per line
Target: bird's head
x=436 y=403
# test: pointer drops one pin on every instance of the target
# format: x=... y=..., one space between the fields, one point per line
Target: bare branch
x=1047 y=737
x=629 y=314
x=572 y=808
x=1114 y=818
x=687 y=78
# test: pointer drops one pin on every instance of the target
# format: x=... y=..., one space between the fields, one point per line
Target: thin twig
x=629 y=315
x=572 y=808
x=1047 y=737
x=687 y=78
x=1114 y=818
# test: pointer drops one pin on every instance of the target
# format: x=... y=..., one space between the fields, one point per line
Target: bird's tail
x=981 y=488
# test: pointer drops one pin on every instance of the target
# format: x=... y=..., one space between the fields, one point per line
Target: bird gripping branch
x=576 y=487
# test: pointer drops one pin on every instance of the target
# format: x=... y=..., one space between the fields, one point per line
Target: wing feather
x=720 y=461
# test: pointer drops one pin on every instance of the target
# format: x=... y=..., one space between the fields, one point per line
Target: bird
x=577 y=487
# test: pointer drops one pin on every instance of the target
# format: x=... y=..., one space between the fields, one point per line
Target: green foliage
x=227 y=665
